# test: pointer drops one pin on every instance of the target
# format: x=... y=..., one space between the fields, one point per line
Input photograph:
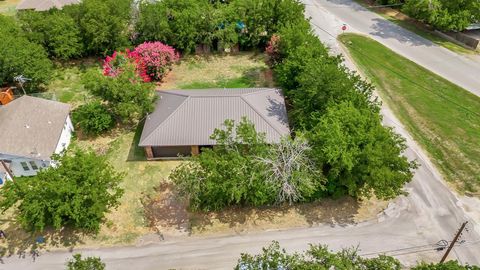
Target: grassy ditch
x=441 y=116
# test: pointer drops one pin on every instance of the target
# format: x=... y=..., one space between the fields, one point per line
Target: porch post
x=148 y=152
x=195 y=150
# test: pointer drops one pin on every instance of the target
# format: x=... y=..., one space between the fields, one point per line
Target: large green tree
x=55 y=30
x=77 y=192
x=104 y=24
x=358 y=155
x=453 y=15
x=19 y=56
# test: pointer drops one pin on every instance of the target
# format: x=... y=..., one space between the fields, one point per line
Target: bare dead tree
x=287 y=165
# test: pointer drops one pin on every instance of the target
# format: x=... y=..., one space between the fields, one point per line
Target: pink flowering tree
x=157 y=57
x=117 y=63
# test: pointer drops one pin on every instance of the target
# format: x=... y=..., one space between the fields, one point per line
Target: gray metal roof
x=31 y=127
x=189 y=117
x=43 y=5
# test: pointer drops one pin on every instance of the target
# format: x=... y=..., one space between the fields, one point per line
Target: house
x=184 y=120
x=43 y=5
x=31 y=131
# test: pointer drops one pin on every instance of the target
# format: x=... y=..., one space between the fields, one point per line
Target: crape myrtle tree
x=125 y=95
x=20 y=56
x=77 y=192
x=321 y=258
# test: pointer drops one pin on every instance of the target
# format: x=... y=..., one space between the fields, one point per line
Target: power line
x=421 y=248
x=402 y=76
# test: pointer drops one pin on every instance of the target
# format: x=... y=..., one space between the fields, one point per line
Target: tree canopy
x=319 y=257
x=88 y=263
x=242 y=169
x=77 y=192
x=19 y=56
x=55 y=30
x=126 y=96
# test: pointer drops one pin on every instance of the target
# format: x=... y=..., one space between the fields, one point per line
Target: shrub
x=157 y=57
x=78 y=192
x=126 y=96
x=88 y=263
x=93 y=118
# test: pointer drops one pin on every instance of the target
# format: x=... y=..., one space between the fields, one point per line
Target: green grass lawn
x=66 y=84
x=418 y=28
x=440 y=115
x=242 y=70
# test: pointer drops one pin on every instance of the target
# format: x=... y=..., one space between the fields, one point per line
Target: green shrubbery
x=19 y=56
x=244 y=170
x=321 y=258
x=187 y=23
x=88 y=263
x=78 y=192
x=126 y=96
x=93 y=118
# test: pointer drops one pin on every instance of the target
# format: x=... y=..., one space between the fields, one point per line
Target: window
x=34 y=165
x=25 y=166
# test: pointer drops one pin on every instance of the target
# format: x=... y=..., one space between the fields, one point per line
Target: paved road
x=458 y=69
x=408 y=227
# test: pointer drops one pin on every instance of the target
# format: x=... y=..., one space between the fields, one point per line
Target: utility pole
x=455 y=239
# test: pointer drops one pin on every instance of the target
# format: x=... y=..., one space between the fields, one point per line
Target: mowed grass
x=242 y=70
x=440 y=115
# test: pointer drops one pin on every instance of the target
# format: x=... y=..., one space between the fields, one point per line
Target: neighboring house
x=31 y=131
x=184 y=120
x=43 y=5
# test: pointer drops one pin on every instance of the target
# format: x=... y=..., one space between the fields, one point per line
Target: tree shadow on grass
x=28 y=245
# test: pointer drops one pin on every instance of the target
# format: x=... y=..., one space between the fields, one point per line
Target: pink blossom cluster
x=157 y=57
x=117 y=63
x=273 y=49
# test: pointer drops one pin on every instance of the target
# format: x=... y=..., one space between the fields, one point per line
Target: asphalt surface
x=408 y=229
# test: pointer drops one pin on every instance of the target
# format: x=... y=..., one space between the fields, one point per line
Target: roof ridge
x=260 y=90
x=162 y=123
x=262 y=116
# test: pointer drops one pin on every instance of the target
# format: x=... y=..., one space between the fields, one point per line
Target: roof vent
x=49 y=122
x=27 y=126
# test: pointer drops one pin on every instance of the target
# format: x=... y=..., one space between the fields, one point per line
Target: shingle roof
x=189 y=117
x=31 y=127
x=43 y=5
